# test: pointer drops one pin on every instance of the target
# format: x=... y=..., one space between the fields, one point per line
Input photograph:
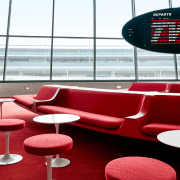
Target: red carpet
x=89 y=155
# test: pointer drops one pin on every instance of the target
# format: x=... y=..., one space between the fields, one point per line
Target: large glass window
x=4 y=6
x=31 y=17
x=73 y=18
x=150 y=5
x=178 y=65
x=114 y=60
x=175 y=3
x=73 y=41
x=72 y=59
x=2 y=54
x=28 y=59
x=111 y=15
x=152 y=65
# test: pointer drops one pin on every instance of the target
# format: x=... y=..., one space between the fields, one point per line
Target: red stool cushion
x=139 y=168
x=11 y=124
x=48 y=144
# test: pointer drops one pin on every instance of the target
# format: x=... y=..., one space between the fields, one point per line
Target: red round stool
x=6 y=127
x=128 y=168
x=48 y=145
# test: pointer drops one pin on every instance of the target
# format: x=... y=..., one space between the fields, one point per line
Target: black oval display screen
x=157 y=31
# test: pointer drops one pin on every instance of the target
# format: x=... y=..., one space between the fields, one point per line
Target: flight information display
x=165 y=31
x=157 y=31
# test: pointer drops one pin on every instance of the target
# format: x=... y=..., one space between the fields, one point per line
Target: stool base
x=59 y=162
x=10 y=159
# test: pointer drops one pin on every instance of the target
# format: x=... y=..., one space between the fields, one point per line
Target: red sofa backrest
x=46 y=92
x=98 y=102
x=141 y=86
x=174 y=88
x=165 y=109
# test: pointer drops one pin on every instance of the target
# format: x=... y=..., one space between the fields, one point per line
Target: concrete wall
x=10 y=89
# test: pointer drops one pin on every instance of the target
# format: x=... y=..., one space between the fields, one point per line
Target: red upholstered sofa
x=174 y=88
x=159 y=113
x=131 y=114
x=46 y=93
x=145 y=86
x=96 y=108
x=102 y=111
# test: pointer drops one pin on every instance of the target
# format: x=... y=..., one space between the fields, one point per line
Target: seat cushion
x=26 y=100
x=48 y=144
x=138 y=168
x=11 y=124
x=155 y=128
x=85 y=117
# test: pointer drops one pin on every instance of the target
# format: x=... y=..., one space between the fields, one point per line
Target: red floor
x=89 y=155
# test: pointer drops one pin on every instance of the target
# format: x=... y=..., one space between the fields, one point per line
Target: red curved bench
x=160 y=114
x=174 y=88
x=46 y=93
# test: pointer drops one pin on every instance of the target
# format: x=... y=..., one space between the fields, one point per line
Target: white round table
x=57 y=119
x=5 y=100
x=171 y=138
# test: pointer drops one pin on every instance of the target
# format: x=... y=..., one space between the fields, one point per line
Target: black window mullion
x=135 y=49
x=94 y=23
x=52 y=36
x=7 y=40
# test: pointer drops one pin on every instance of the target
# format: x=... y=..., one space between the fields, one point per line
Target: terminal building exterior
x=77 y=63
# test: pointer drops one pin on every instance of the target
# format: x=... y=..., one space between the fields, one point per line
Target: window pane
x=178 y=65
x=2 y=53
x=28 y=59
x=74 y=18
x=152 y=65
x=31 y=17
x=175 y=3
x=114 y=60
x=111 y=15
x=150 y=5
x=4 y=6
x=73 y=59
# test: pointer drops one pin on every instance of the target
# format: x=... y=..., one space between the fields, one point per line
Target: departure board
x=165 y=31
x=157 y=31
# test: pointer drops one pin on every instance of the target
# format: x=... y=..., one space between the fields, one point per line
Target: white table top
x=56 y=118
x=171 y=138
x=7 y=100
